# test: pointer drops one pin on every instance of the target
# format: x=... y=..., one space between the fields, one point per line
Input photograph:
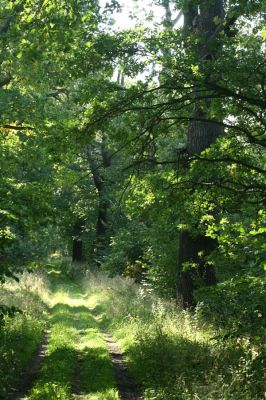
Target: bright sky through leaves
x=134 y=12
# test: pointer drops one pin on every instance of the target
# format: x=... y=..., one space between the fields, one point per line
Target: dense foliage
x=139 y=151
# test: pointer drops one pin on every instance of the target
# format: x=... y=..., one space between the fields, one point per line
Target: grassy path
x=170 y=352
x=78 y=364
x=128 y=390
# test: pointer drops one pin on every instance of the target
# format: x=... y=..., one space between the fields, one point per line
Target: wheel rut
x=127 y=388
x=31 y=373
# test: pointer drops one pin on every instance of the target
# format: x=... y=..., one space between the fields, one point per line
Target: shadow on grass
x=78 y=317
x=99 y=313
x=16 y=350
x=67 y=372
x=58 y=365
x=178 y=365
x=56 y=376
x=19 y=339
x=92 y=369
x=95 y=372
x=60 y=279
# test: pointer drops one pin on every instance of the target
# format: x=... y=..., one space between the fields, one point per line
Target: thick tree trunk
x=101 y=227
x=200 y=135
x=77 y=245
x=193 y=249
x=77 y=250
x=103 y=204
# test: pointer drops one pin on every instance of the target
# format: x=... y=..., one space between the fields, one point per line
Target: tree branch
x=238 y=96
x=18 y=128
x=230 y=160
x=5 y=81
x=150 y=161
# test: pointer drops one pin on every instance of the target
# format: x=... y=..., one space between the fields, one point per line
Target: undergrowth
x=173 y=354
x=21 y=334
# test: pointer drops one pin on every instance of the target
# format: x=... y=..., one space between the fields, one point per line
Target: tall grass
x=77 y=363
x=21 y=334
x=172 y=353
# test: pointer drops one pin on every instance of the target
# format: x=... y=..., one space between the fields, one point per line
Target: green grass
x=21 y=334
x=77 y=363
x=171 y=353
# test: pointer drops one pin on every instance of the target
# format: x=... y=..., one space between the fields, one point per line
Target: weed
x=173 y=354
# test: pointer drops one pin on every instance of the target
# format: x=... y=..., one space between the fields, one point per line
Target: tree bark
x=103 y=203
x=77 y=245
x=200 y=135
x=77 y=250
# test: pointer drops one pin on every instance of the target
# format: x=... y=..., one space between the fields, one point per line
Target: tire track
x=31 y=373
x=127 y=388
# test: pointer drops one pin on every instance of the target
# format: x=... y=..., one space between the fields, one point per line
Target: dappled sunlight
x=132 y=199
x=77 y=362
x=168 y=351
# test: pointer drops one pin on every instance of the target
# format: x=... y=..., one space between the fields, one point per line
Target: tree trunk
x=77 y=245
x=193 y=249
x=77 y=253
x=102 y=215
x=200 y=135
x=103 y=204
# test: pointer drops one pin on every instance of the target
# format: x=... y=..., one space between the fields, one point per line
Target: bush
x=236 y=307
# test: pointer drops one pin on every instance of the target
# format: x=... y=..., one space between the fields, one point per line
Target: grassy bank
x=171 y=352
x=21 y=334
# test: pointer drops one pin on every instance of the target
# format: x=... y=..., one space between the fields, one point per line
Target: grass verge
x=21 y=335
x=172 y=353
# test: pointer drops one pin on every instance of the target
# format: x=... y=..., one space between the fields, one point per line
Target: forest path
x=77 y=360
x=127 y=388
x=29 y=376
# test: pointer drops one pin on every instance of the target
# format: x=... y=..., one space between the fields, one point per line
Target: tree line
x=141 y=151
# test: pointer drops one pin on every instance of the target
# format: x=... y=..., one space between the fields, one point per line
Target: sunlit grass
x=171 y=353
x=21 y=334
x=78 y=364
x=110 y=394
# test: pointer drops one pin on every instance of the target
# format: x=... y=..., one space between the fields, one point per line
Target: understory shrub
x=236 y=307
